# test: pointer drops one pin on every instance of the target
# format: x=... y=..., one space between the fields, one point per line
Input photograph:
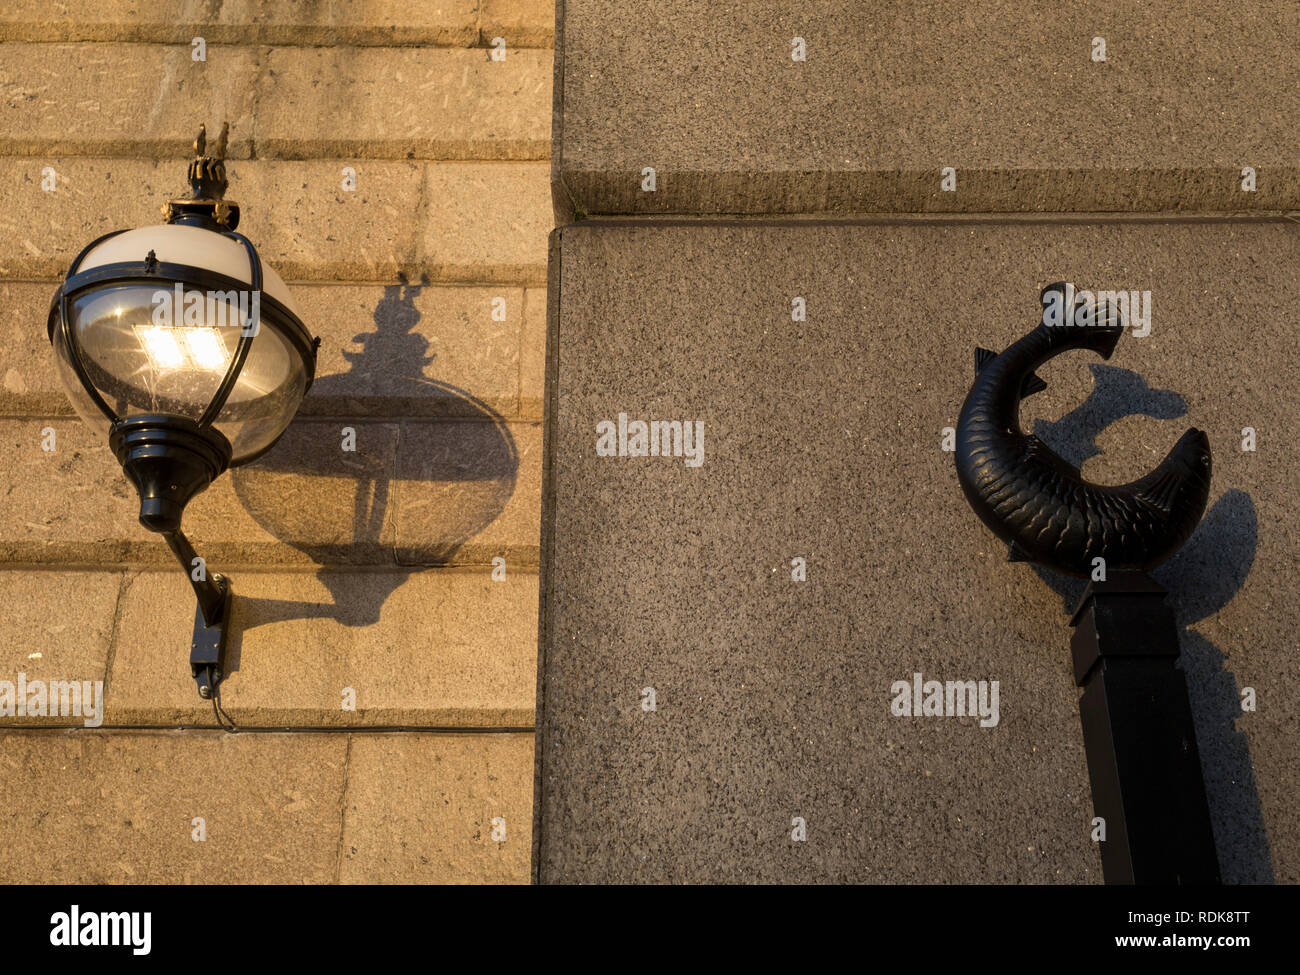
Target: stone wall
x=370 y=570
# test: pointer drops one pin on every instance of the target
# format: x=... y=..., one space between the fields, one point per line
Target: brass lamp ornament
x=186 y=352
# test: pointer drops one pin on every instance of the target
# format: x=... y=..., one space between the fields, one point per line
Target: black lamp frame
x=170 y=458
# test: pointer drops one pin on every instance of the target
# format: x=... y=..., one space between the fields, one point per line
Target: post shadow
x=460 y=480
x=1202 y=578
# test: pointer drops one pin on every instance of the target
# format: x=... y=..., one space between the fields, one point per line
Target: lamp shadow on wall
x=1202 y=579
x=452 y=476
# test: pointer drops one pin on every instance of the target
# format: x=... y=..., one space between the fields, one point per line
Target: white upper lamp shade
x=152 y=345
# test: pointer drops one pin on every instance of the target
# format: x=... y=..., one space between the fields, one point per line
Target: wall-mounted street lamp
x=160 y=344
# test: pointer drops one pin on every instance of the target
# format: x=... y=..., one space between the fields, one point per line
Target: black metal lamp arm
x=210 y=589
x=215 y=596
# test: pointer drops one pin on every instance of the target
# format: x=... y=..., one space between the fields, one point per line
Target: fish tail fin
x=1101 y=339
x=1060 y=320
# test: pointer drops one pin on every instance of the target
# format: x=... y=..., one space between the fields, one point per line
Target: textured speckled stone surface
x=98 y=99
x=400 y=103
x=121 y=808
x=122 y=99
x=57 y=626
x=892 y=92
x=823 y=442
x=436 y=822
x=317 y=808
x=426 y=103
x=29 y=386
x=486 y=222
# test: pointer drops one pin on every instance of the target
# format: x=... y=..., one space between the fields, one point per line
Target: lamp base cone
x=169 y=459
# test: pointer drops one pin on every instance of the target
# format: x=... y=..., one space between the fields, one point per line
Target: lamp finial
x=206 y=205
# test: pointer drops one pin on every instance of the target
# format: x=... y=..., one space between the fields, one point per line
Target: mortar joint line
x=115 y=634
x=343 y=812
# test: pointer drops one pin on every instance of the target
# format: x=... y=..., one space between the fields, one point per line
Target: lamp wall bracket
x=208 y=646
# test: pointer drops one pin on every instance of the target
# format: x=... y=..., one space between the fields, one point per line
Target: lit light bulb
x=161 y=346
x=207 y=351
x=183 y=348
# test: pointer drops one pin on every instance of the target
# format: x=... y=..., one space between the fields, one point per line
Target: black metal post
x=1145 y=769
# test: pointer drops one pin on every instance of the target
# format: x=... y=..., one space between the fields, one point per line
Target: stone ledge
x=524 y=23
x=891 y=93
x=1198 y=189
x=436 y=492
x=427 y=648
x=455 y=222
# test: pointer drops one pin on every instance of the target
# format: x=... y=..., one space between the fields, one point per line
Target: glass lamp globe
x=157 y=317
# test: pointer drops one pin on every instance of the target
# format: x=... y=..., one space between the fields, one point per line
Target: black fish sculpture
x=1038 y=503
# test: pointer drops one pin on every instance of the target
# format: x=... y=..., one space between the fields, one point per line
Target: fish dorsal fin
x=1031 y=384
x=1028 y=386
x=1017 y=554
x=1158 y=496
x=1036 y=449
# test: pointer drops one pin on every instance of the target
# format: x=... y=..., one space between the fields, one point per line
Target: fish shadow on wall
x=1202 y=579
x=452 y=475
